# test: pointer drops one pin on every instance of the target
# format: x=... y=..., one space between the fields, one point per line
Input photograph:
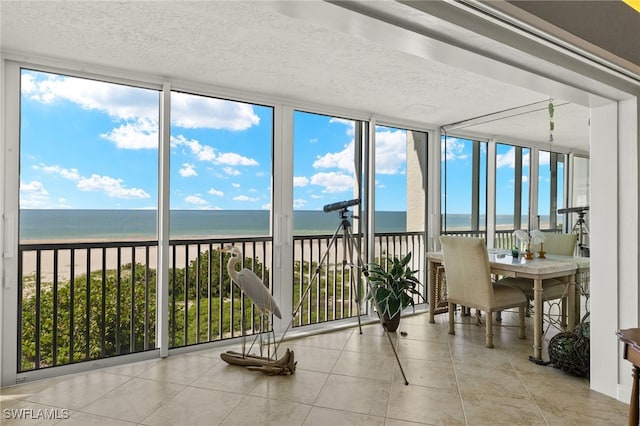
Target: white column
x=434 y=201
x=491 y=192
x=9 y=204
x=282 y=214
x=164 y=153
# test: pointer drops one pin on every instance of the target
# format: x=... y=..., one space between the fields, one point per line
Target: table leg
x=432 y=291
x=633 y=406
x=537 y=320
x=572 y=302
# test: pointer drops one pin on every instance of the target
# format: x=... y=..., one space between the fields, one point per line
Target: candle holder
x=541 y=252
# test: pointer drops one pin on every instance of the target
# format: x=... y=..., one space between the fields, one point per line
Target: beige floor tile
x=421 y=404
x=493 y=410
x=371 y=344
x=476 y=382
x=396 y=422
x=355 y=394
x=134 y=369
x=452 y=380
x=366 y=365
x=435 y=374
x=229 y=378
x=335 y=340
x=253 y=410
x=19 y=412
x=182 y=370
x=326 y=416
x=84 y=419
x=304 y=386
x=195 y=406
x=424 y=332
x=75 y=391
x=315 y=359
x=424 y=350
x=135 y=400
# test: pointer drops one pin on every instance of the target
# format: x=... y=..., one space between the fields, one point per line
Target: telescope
x=341 y=205
x=573 y=210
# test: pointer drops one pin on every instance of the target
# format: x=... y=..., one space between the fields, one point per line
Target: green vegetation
x=111 y=313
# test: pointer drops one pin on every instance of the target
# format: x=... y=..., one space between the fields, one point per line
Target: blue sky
x=94 y=145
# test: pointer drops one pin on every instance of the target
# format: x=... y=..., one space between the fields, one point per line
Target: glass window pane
x=89 y=156
x=464 y=191
x=324 y=170
x=220 y=167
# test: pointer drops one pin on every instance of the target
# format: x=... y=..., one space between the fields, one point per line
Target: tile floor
x=342 y=378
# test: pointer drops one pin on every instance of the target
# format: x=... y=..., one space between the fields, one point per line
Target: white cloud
x=33 y=195
x=110 y=186
x=195 y=200
x=508 y=159
x=300 y=181
x=139 y=134
x=245 y=198
x=235 y=185
x=202 y=152
x=391 y=151
x=299 y=203
x=349 y=123
x=119 y=101
x=210 y=154
x=340 y=160
x=454 y=150
x=215 y=192
x=233 y=159
x=333 y=182
x=71 y=174
x=313 y=140
x=190 y=111
x=188 y=170
x=231 y=171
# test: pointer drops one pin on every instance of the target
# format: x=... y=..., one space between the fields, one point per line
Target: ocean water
x=141 y=224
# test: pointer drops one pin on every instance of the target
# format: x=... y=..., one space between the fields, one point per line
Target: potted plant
x=392 y=289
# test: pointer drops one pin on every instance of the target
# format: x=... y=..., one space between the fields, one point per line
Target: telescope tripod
x=580 y=227
x=349 y=247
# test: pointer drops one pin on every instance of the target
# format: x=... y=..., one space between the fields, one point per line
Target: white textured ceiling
x=253 y=47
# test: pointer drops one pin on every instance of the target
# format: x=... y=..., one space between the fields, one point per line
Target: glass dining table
x=504 y=265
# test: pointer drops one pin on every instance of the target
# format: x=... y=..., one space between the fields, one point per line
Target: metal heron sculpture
x=251 y=284
x=253 y=287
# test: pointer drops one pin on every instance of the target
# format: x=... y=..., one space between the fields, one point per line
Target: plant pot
x=391 y=324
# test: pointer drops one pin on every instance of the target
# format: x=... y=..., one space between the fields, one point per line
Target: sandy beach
x=95 y=259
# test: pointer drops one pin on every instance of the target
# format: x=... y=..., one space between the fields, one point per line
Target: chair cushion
x=506 y=297
x=552 y=288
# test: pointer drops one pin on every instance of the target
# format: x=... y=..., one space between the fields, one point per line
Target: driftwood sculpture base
x=283 y=366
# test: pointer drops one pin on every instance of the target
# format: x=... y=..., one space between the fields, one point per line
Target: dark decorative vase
x=391 y=324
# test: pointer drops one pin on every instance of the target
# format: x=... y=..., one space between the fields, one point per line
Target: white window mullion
x=282 y=214
x=491 y=192
x=162 y=302
x=9 y=205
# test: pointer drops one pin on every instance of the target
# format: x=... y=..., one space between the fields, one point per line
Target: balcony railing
x=93 y=300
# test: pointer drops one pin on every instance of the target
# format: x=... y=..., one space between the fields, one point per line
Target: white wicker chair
x=469 y=283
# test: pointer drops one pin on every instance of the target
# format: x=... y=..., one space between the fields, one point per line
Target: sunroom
x=141 y=138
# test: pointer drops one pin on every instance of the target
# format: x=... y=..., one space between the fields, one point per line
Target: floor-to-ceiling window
x=512 y=188
x=327 y=171
x=551 y=190
x=400 y=196
x=464 y=190
x=88 y=173
x=220 y=195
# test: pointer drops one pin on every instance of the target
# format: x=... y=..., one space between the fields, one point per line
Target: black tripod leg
x=375 y=302
x=347 y=247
